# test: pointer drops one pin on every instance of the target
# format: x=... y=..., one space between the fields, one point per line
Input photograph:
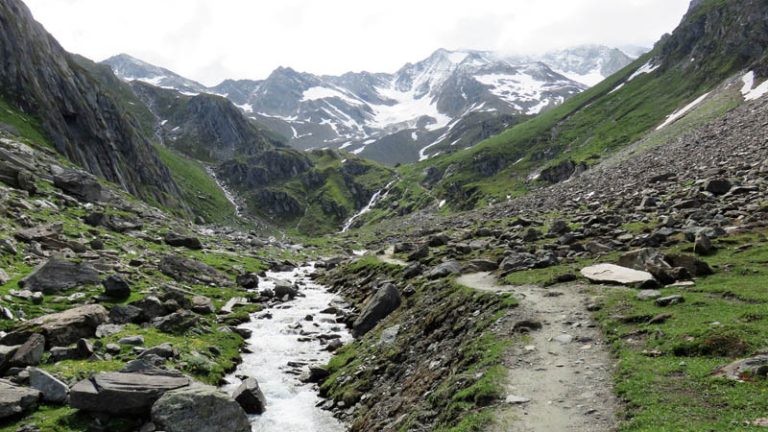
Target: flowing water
x=291 y=405
x=378 y=196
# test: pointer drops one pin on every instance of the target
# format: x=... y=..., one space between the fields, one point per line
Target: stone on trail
x=613 y=274
x=199 y=408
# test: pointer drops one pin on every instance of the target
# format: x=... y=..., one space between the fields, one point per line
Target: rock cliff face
x=204 y=126
x=81 y=119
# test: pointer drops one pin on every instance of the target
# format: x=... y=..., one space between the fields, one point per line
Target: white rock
x=610 y=273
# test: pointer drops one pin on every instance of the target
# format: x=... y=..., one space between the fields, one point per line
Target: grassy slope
x=665 y=370
x=200 y=190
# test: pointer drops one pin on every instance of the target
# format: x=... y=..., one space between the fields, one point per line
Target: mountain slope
x=724 y=40
x=416 y=112
x=81 y=119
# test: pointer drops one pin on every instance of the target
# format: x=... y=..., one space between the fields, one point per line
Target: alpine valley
x=572 y=241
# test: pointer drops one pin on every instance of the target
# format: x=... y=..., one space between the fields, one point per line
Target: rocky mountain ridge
x=395 y=117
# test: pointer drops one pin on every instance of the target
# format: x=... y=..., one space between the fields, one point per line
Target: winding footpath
x=559 y=380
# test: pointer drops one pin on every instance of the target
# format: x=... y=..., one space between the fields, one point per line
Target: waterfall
x=227 y=193
x=378 y=196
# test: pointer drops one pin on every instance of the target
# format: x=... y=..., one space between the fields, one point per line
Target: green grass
x=723 y=319
x=27 y=126
x=200 y=191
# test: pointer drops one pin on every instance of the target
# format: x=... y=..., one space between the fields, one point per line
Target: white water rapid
x=291 y=405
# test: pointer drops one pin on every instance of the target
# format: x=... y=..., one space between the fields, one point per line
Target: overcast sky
x=210 y=40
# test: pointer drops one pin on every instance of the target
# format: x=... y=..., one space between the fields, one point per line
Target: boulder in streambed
x=250 y=397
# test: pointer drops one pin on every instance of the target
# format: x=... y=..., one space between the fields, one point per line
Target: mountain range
x=448 y=101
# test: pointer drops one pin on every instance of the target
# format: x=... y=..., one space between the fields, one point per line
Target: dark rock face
x=250 y=397
x=384 y=302
x=199 y=408
x=60 y=329
x=562 y=171
x=83 y=121
x=121 y=393
x=248 y=280
x=57 y=275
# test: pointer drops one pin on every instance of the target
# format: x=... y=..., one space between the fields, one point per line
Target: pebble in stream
x=291 y=405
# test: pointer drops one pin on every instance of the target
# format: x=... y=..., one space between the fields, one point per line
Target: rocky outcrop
x=122 y=393
x=81 y=118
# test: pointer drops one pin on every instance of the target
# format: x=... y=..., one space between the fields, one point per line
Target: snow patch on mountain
x=315 y=93
x=647 y=68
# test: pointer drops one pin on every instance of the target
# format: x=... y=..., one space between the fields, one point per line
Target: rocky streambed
x=285 y=342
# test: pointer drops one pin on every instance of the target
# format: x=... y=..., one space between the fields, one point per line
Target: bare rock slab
x=613 y=274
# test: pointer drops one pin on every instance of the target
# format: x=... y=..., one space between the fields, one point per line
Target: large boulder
x=180 y=240
x=60 y=329
x=80 y=185
x=445 y=269
x=116 y=287
x=51 y=388
x=190 y=271
x=177 y=322
x=121 y=393
x=58 y=274
x=613 y=274
x=31 y=352
x=199 y=408
x=15 y=400
x=250 y=397
x=384 y=302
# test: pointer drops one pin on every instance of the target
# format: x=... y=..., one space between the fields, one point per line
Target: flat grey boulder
x=15 y=400
x=60 y=329
x=51 y=388
x=120 y=393
x=199 y=408
x=57 y=274
x=383 y=303
x=613 y=274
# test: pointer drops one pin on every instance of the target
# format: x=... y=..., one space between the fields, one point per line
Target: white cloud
x=211 y=40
